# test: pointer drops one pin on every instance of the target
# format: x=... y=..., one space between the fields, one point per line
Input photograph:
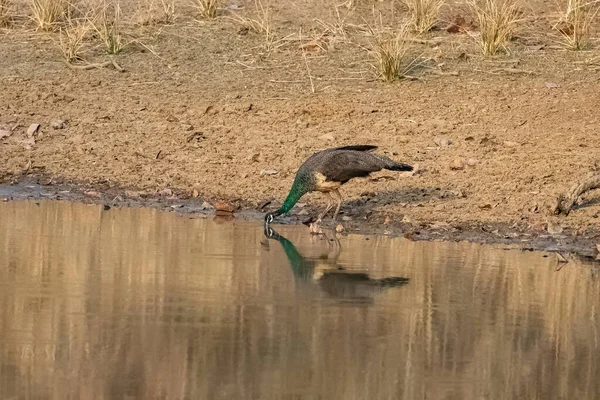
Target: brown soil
x=208 y=109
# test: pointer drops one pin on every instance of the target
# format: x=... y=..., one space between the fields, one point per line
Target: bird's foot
x=315 y=227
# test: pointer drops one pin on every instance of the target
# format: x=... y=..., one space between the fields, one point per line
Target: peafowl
x=327 y=170
x=330 y=277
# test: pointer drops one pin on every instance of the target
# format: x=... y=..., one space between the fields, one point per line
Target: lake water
x=144 y=304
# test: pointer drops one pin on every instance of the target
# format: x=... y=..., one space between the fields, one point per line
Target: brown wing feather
x=341 y=166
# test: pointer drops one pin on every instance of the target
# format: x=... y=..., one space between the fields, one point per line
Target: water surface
x=144 y=304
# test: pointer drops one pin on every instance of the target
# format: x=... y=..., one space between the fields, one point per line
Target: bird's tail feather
x=399 y=167
x=357 y=147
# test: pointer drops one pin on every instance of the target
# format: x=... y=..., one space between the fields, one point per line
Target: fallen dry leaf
x=33 y=128
x=195 y=193
x=268 y=171
x=4 y=133
x=339 y=228
x=313 y=45
x=598 y=247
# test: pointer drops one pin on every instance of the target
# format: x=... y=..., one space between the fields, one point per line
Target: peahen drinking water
x=327 y=170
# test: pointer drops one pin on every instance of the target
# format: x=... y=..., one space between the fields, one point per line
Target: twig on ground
x=565 y=202
x=110 y=63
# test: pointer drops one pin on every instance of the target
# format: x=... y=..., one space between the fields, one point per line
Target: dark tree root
x=566 y=201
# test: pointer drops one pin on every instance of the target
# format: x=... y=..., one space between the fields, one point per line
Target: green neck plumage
x=292 y=198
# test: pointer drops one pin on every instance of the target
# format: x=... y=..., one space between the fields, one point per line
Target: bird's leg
x=336 y=194
x=329 y=206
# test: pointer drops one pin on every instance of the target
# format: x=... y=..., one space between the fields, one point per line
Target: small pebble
x=57 y=124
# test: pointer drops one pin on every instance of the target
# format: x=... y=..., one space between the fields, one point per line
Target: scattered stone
x=339 y=228
x=442 y=141
x=176 y=206
x=387 y=220
x=457 y=164
x=508 y=143
x=32 y=130
x=195 y=193
x=346 y=218
x=598 y=247
x=206 y=205
x=472 y=162
x=91 y=193
x=224 y=208
x=551 y=85
x=5 y=133
x=328 y=136
x=303 y=212
x=166 y=192
x=554 y=229
x=268 y=171
x=406 y=219
x=486 y=206
x=57 y=124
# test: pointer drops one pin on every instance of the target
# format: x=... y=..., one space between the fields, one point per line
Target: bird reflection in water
x=328 y=275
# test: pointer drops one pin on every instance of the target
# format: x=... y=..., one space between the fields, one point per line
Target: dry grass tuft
x=167 y=11
x=262 y=24
x=423 y=14
x=4 y=12
x=46 y=13
x=575 y=26
x=72 y=37
x=161 y=13
x=108 y=27
x=206 y=8
x=497 y=21
x=390 y=53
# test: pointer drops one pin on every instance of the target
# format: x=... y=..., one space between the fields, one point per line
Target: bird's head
x=269 y=217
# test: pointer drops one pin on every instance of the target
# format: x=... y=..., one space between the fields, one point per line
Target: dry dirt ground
x=204 y=107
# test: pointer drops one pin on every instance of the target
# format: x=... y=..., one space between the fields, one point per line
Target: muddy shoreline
x=363 y=221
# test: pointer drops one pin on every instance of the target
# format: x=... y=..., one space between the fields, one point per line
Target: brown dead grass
x=47 y=13
x=575 y=26
x=389 y=51
x=497 y=21
x=108 y=26
x=423 y=14
x=206 y=8
x=72 y=38
x=4 y=12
